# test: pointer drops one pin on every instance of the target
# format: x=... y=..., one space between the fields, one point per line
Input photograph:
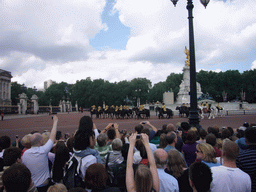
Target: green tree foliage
x=87 y=92
x=173 y=82
x=249 y=85
x=57 y=92
x=17 y=89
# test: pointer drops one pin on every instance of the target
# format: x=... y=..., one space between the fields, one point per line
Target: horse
x=145 y=113
x=93 y=112
x=220 y=112
x=183 y=110
x=168 y=112
x=204 y=111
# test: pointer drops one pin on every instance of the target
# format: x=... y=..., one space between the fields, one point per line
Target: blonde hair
x=143 y=179
x=208 y=152
x=46 y=136
x=25 y=141
x=58 y=187
x=175 y=162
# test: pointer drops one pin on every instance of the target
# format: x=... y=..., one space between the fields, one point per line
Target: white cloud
x=253 y=65
x=51 y=39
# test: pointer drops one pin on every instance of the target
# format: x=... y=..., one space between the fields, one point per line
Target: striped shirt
x=246 y=161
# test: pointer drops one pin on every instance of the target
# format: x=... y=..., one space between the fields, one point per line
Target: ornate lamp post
x=193 y=114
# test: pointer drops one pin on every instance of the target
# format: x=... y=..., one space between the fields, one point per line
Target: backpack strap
x=107 y=160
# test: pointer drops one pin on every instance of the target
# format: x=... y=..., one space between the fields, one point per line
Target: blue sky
x=120 y=40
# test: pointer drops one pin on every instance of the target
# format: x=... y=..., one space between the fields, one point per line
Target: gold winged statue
x=187 y=57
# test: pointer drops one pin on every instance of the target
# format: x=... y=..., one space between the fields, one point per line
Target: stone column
x=23 y=102
x=34 y=99
x=76 y=107
x=64 y=106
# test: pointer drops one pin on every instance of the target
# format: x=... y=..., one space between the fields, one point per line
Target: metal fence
x=8 y=109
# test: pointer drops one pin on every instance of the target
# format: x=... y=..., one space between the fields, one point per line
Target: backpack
x=118 y=175
x=73 y=176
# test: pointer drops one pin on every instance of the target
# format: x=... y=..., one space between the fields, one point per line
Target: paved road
x=23 y=124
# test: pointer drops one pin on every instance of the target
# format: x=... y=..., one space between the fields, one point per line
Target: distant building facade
x=48 y=84
x=5 y=87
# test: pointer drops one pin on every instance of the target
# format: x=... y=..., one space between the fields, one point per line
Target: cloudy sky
x=117 y=40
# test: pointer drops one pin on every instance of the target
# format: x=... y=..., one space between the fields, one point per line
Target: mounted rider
x=99 y=108
x=93 y=108
x=141 y=108
x=106 y=108
x=164 y=107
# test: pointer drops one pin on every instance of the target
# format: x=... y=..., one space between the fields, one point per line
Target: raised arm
x=117 y=131
x=130 y=182
x=151 y=160
x=54 y=129
x=148 y=123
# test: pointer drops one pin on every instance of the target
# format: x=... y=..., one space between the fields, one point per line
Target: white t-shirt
x=86 y=162
x=230 y=180
x=36 y=160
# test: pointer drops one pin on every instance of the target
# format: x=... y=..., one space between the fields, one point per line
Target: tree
x=173 y=82
x=17 y=89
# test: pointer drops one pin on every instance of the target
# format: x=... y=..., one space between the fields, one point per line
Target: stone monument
x=183 y=94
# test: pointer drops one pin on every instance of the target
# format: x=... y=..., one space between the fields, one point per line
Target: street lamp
x=193 y=114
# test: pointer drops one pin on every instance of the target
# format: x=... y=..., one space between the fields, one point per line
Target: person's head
x=77 y=189
x=70 y=143
x=96 y=177
x=143 y=179
x=36 y=139
x=202 y=133
x=213 y=131
x=117 y=144
x=230 y=150
x=231 y=130
x=138 y=128
x=125 y=150
x=225 y=134
x=140 y=146
x=16 y=178
x=200 y=177
x=58 y=187
x=12 y=155
x=46 y=136
x=211 y=139
x=191 y=136
x=175 y=162
x=162 y=141
x=171 y=138
x=82 y=140
x=170 y=127
x=5 y=142
x=102 y=139
x=250 y=135
x=86 y=124
x=160 y=156
x=25 y=141
x=205 y=152
x=58 y=135
x=185 y=126
x=146 y=131
x=111 y=133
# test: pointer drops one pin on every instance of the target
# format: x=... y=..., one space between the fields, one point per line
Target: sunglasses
x=199 y=151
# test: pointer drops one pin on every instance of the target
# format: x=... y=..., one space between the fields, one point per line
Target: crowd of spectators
x=171 y=158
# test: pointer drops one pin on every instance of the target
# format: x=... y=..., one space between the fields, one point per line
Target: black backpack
x=73 y=176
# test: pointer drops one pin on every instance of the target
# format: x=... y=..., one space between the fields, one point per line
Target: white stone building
x=5 y=87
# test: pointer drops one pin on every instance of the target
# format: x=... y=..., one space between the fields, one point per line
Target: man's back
x=230 y=180
x=167 y=182
x=246 y=161
x=36 y=160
